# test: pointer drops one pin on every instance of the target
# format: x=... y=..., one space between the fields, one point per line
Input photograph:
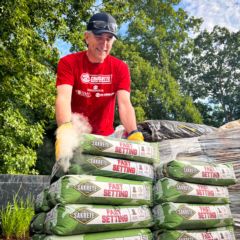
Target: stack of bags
x=216 y=147
x=192 y=201
x=105 y=193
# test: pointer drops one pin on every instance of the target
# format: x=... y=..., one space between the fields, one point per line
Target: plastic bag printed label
x=110 y=216
x=122 y=166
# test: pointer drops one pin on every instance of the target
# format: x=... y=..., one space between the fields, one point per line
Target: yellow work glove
x=135 y=136
x=60 y=133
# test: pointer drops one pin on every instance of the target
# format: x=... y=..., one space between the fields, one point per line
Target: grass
x=16 y=218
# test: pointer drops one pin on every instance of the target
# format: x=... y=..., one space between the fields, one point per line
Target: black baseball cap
x=102 y=23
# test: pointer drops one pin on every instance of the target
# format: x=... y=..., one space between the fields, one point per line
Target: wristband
x=134 y=131
x=65 y=123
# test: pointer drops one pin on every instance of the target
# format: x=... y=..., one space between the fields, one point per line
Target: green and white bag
x=169 y=190
x=191 y=216
x=105 y=166
x=37 y=223
x=120 y=148
x=73 y=219
x=205 y=173
x=85 y=189
x=133 y=234
x=225 y=233
x=41 y=203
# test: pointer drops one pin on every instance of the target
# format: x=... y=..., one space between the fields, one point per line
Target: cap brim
x=100 y=31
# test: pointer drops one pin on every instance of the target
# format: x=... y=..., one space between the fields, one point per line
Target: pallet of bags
x=107 y=187
x=193 y=197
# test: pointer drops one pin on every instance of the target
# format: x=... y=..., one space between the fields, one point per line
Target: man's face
x=99 y=46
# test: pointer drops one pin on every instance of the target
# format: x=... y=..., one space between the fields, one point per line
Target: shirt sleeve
x=64 y=73
x=124 y=80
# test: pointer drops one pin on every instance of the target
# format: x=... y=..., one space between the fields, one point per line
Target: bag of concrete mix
x=198 y=172
x=37 y=223
x=224 y=233
x=79 y=189
x=41 y=202
x=191 y=216
x=105 y=166
x=170 y=190
x=119 y=148
x=133 y=234
x=73 y=219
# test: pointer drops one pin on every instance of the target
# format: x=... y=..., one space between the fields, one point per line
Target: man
x=89 y=82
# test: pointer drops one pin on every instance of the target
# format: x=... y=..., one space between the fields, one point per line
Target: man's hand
x=135 y=136
x=64 y=128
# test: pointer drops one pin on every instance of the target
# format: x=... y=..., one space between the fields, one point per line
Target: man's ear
x=85 y=38
x=86 y=34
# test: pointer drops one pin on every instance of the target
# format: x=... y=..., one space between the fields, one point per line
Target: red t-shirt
x=94 y=87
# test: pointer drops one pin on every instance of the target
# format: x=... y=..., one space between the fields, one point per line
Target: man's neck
x=92 y=60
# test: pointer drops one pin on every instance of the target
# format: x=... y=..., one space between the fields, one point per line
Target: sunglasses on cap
x=102 y=25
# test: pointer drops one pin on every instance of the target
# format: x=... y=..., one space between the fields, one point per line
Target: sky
x=224 y=13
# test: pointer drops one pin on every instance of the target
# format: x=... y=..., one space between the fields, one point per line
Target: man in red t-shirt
x=89 y=82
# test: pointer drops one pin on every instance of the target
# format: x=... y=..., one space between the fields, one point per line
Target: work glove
x=68 y=138
x=64 y=130
x=135 y=136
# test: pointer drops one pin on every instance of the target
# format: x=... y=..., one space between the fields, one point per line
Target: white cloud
x=224 y=13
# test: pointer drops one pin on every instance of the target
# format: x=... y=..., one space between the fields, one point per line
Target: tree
x=29 y=29
x=155 y=94
x=212 y=73
x=156 y=34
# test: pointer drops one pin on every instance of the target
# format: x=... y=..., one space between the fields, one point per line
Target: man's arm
x=63 y=104
x=126 y=111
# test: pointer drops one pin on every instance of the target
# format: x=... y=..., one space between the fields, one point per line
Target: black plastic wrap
x=219 y=147
x=158 y=130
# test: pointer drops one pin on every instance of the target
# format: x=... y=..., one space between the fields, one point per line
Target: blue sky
x=225 y=13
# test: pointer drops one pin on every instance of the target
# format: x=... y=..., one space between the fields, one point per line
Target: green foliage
x=158 y=31
x=155 y=93
x=16 y=218
x=27 y=86
x=212 y=74
x=27 y=72
x=156 y=37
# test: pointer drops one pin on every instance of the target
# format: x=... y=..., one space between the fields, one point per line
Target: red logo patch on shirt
x=96 y=79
